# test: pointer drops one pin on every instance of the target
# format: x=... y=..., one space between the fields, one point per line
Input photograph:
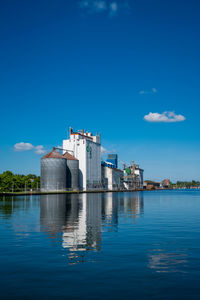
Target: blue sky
x=102 y=66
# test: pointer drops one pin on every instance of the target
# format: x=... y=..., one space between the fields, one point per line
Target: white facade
x=134 y=179
x=87 y=149
x=139 y=178
x=111 y=178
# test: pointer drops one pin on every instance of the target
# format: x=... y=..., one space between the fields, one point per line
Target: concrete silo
x=53 y=172
x=72 y=171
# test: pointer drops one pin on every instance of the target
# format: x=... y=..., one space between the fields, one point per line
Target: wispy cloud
x=148 y=92
x=111 y=8
x=104 y=150
x=165 y=117
x=19 y=147
x=39 y=149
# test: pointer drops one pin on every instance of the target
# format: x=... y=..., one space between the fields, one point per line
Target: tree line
x=185 y=184
x=10 y=182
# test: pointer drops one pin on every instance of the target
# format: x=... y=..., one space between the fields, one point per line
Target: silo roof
x=69 y=156
x=53 y=154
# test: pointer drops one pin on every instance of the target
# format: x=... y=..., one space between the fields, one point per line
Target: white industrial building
x=133 y=177
x=111 y=177
x=139 y=177
x=87 y=149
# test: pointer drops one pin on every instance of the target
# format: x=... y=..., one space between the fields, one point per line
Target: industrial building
x=78 y=166
x=59 y=172
x=87 y=149
x=111 y=176
x=133 y=177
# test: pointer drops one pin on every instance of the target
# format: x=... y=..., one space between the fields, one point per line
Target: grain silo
x=53 y=172
x=72 y=171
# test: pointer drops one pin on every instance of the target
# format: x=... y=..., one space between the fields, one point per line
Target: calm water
x=142 y=245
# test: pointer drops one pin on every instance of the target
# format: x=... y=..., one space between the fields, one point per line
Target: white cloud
x=99 y=6
x=165 y=117
x=92 y=6
x=104 y=150
x=23 y=146
x=148 y=92
x=84 y=4
x=39 y=149
x=28 y=146
x=113 y=9
x=110 y=7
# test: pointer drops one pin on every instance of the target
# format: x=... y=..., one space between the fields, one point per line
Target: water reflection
x=53 y=209
x=83 y=224
x=80 y=218
x=132 y=206
x=162 y=261
x=10 y=205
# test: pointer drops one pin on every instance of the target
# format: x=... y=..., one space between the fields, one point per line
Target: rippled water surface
x=143 y=245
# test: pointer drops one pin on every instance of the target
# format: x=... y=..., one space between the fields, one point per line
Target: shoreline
x=77 y=192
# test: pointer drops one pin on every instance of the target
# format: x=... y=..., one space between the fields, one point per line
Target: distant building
x=133 y=177
x=139 y=177
x=165 y=183
x=151 y=185
x=87 y=149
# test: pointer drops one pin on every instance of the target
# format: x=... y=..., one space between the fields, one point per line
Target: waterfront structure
x=53 y=172
x=133 y=177
x=79 y=167
x=151 y=185
x=111 y=177
x=87 y=149
x=72 y=171
x=59 y=172
x=165 y=183
x=139 y=177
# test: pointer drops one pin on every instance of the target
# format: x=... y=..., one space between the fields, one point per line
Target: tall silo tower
x=72 y=171
x=53 y=172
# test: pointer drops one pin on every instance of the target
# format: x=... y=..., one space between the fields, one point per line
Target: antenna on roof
x=70 y=130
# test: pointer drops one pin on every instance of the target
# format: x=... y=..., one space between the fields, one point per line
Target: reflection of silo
x=72 y=171
x=93 y=220
x=53 y=172
x=110 y=209
x=52 y=212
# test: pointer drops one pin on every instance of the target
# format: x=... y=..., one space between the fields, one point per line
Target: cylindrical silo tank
x=72 y=171
x=53 y=172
